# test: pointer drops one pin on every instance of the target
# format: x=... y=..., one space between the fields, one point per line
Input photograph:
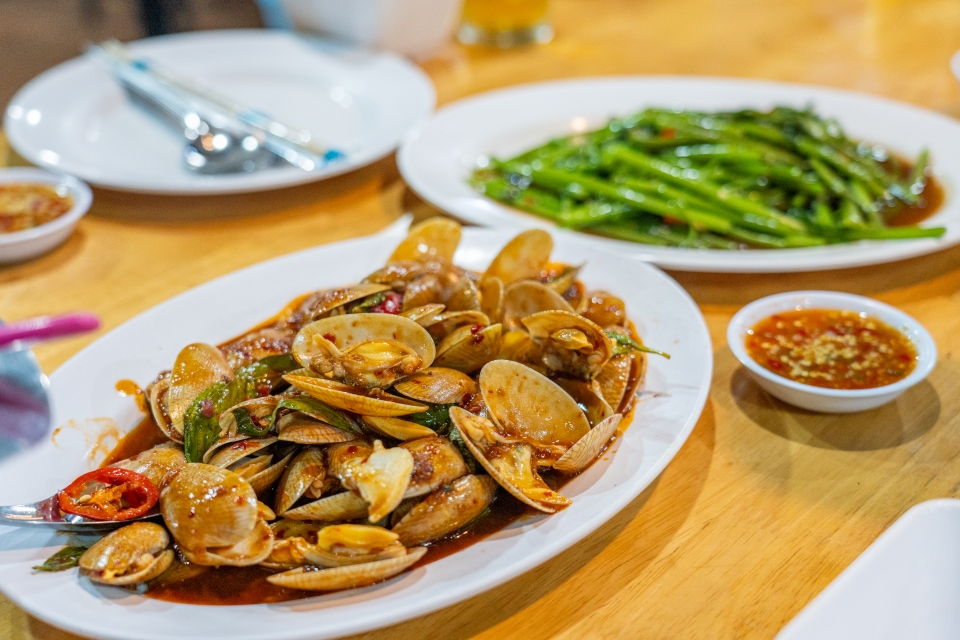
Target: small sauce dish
x=16 y=246
x=823 y=399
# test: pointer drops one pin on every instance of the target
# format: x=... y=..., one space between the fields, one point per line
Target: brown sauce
x=931 y=198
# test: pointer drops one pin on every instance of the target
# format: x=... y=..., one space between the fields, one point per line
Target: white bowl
x=29 y=243
x=818 y=398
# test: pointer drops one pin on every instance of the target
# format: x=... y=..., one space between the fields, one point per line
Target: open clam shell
x=380 y=475
x=491 y=297
x=134 y=554
x=589 y=397
x=449 y=508
x=433 y=238
x=366 y=402
x=301 y=428
x=349 y=544
x=467 y=349
x=437 y=385
x=325 y=302
x=339 y=506
x=357 y=575
x=423 y=315
x=307 y=469
x=260 y=481
x=586 y=450
x=522 y=258
x=259 y=409
x=157 y=395
x=569 y=343
x=529 y=407
x=197 y=367
x=445 y=323
x=525 y=298
x=230 y=453
x=465 y=296
x=253 y=549
x=436 y=462
x=159 y=464
x=511 y=465
x=397 y=428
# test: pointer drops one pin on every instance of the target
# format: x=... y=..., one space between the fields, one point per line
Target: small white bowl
x=818 y=398
x=29 y=243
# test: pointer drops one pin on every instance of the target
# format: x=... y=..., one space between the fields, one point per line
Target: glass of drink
x=505 y=23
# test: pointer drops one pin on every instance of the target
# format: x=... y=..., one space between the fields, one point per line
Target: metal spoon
x=46 y=513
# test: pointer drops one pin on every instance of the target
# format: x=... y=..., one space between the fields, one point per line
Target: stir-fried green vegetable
x=728 y=180
x=62 y=560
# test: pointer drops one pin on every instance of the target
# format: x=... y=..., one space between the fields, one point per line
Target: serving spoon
x=46 y=513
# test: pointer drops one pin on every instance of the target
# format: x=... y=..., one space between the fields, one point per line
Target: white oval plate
x=76 y=119
x=437 y=160
x=83 y=390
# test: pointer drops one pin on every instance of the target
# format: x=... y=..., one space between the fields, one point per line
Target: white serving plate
x=83 y=390
x=905 y=585
x=76 y=119
x=437 y=159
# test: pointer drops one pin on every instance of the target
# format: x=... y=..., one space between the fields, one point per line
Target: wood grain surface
x=765 y=504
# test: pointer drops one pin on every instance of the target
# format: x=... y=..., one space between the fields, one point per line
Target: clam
x=366 y=402
x=433 y=238
x=290 y=547
x=569 y=343
x=437 y=385
x=305 y=471
x=444 y=324
x=370 y=349
x=258 y=410
x=197 y=367
x=381 y=476
x=589 y=446
x=157 y=392
x=525 y=298
x=468 y=348
x=233 y=452
x=134 y=554
x=491 y=297
x=523 y=258
x=436 y=462
x=511 y=465
x=258 y=344
x=516 y=345
x=564 y=279
x=357 y=575
x=589 y=397
x=465 y=296
x=159 y=464
x=424 y=290
x=423 y=315
x=261 y=480
x=620 y=378
x=326 y=302
x=397 y=428
x=449 y=508
x=301 y=428
x=339 y=506
x=349 y=544
x=213 y=515
x=529 y=408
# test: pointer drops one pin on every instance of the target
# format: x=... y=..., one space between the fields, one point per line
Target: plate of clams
x=351 y=436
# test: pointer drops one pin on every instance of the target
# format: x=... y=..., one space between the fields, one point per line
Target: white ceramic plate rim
x=79 y=191
x=757 y=310
x=437 y=158
x=303 y=625
x=419 y=94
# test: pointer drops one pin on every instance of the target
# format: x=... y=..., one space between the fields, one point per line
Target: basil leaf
x=201 y=421
x=62 y=560
x=369 y=301
x=308 y=405
x=437 y=417
x=472 y=463
x=266 y=371
x=625 y=344
x=246 y=425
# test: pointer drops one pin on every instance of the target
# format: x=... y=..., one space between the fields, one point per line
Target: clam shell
x=253 y=549
x=562 y=283
x=522 y=258
x=465 y=296
x=307 y=468
x=121 y=557
x=362 y=401
x=516 y=345
x=380 y=475
x=529 y=407
x=323 y=302
x=467 y=351
x=235 y=451
x=352 y=329
x=511 y=465
x=339 y=506
x=583 y=363
x=586 y=450
x=197 y=367
x=207 y=506
x=159 y=464
x=268 y=476
x=260 y=408
x=423 y=315
x=246 y=468
x=446 y=510
x=157 y=394
x=613 y=378
x=491 y=297
x=446 y=323
x=436 y=462
x=525 y=298
x=433 y=238
x=424 y=290
x=349 y=544
x=302 y=429
x=638 y=373
x=588 y=396
x=397 y=428
x=437 y=385
x=358 y=575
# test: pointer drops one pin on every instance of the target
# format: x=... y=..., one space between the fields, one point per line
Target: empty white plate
x=905 y=585
x=76 y=119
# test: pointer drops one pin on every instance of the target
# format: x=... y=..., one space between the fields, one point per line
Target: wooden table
x=765 y=504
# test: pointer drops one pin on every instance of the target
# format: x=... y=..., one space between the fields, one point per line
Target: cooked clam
x=433 y=238
x=197 y=367
x=468 y=348
x=436 y=462
x=307 y=470
x=380 y=475
x=366 y=402
x=449 y=508
x=397 y=428
x=523 y=258
x=134 y=554
x=159 y=464
x=349 y=577
x=525 y=298
x=569 y=343
x=437 y=385
x=348 y=544
x=586 y=450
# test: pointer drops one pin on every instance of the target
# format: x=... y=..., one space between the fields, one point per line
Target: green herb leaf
x=472 y=463
x=313 y=407
x=625 y=345
x=369 y=301
x=62 y=560
x=437 y=417
x=266 y=371
x=201 y=421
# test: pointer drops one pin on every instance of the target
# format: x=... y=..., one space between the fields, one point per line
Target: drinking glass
x=505 y=23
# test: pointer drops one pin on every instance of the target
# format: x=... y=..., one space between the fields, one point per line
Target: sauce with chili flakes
x=832 y=348
x=24 y=206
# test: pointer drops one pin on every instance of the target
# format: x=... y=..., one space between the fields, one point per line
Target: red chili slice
x=109 y=494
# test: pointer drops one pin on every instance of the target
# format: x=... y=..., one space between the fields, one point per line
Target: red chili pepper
x=391 y=304
x=109 y=494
